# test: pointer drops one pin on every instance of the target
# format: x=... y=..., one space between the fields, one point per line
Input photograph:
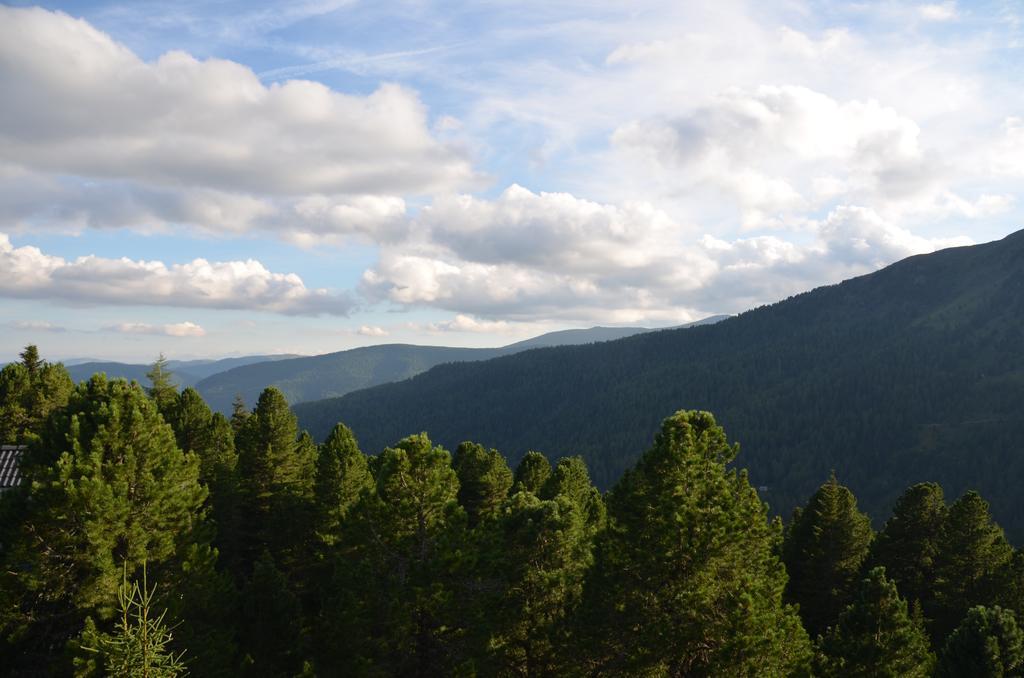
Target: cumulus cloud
x=203 y=143
x=183 y=329
x=527 y=257
x=787 y=149
x=91 y=280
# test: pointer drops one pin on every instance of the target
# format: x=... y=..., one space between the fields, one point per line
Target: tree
x=29 y=392
x=910 y=542
x=533 y=573
x=275 y=473
x=875 y=636
x=239 y=412
x=969 y=565
x=987 y=644
x=484 y=480
x=271 y=613
x=107 y=486
x=823 y=550
x=395 y=585
x=533 y=471
x=139 y=647
x=571 y=479
x=342 y=477
x=686 y=580
x=162 y=387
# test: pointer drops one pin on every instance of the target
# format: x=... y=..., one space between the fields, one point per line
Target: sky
x=218 y=178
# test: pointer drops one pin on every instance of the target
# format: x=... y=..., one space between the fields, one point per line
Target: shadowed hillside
x=915 y=372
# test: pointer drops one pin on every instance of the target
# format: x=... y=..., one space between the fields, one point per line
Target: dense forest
x=154 y=537
x=912 y=373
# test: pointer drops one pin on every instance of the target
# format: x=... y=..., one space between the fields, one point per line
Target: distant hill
x=186 y=372
x=335 y=374
x=914 y=372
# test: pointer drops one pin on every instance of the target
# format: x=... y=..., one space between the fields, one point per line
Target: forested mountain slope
x=911 y=373
x=335 y=374
x=186 y=372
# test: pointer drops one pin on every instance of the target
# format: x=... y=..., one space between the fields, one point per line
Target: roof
x=10 y=462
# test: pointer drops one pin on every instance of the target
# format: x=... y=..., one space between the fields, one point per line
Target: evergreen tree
x=987 y=644
x=969 y=565
x=271 y=613
x=402 y=545
x=535 y=565
x=909 y=544
x=30 y=391
x=140 y=645
x=533 y=471
x=823 y=551
x=239 y=412
x=108 y=485
x=686 y=580
x=275 y=474
x=162 y=387
x=875 y=636
x=342 y=477
x=484 y=480
x=571 y=479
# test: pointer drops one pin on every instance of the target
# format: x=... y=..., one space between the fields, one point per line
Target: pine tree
x=823 y=550
x=395 y=586
x=909 y=544
x=571 y=479
x=969 y=566
x=108 y=485
x=534 y=566
x=484 y=480
x=162 y=387
x=342 y=477
x=30 y=391
x=276 y=470
x=533 y=471
x=140 y=645
x=875 y=636
x=685 y=580
x=239 y=412
x=271 y=617
x=987 y=644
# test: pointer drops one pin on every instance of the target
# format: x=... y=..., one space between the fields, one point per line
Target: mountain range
x=911 y=373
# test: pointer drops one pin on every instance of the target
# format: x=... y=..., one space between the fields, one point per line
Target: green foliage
x=484 y=480
x=162 y=387
x=140 y=644
x=909 y=544
x=342 y=477
x=824 y=546
x=987 y=644
x=537 y=558
x=875 y=637
x=108 y=485
x=533 y=471
x=29 y=392
x=270 y=632
x=685 y=580
x=910 y=373
x=969 y=565
x=396 y=583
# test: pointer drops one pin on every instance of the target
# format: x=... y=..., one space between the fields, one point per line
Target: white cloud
x=536 y=257
x=372 y=331
x=203 y=143
x=92 y=280
x=945 y=11
x=37 y=326
x=183 y=329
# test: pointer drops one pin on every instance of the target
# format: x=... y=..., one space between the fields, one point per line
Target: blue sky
x=224 y=178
